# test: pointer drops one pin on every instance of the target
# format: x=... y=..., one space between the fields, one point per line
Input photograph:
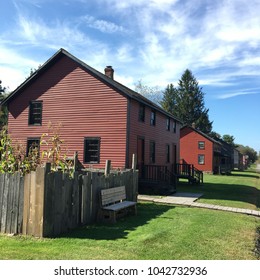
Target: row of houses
x=207 y=154
x=102 y=119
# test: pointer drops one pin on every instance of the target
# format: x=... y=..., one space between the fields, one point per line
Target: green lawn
x=161 y=231
x=240 y=189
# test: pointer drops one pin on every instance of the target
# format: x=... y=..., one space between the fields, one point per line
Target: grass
x=240 y=189
x=158 y=232
x=161 y=231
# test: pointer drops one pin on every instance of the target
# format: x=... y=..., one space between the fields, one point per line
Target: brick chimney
x=109 y=72
x=193 y=125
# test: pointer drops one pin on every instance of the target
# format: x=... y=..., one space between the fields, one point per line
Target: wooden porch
x=156 y=179
x=189 y=172
x=160 y=179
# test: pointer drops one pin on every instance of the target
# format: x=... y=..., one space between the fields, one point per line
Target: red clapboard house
x=101 y=119
x=200 y=150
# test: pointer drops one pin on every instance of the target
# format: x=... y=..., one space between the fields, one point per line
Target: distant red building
x=101 y=118
x=199 y=149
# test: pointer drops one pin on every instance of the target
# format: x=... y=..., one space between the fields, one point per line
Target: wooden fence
x=46 y=204
x=11 y=203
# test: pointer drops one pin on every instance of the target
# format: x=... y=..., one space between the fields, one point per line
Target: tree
x=152 y=93
x=215 y=135
x=186 y=102
x=3 y=109
x=229 y=139
x=250 y=152
x=168 y=101
x=1 y=88
x=33 y=70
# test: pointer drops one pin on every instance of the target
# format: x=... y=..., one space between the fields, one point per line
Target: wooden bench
x=114 y=204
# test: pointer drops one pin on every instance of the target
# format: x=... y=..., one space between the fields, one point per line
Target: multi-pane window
x=168 y=124
x=201 y=145
x=33 y=146
x=92 y=150
x=152 y=152
x=35 y=113
x=153 y=117
x=167 y=153
x=201 y=159
x=141 y=113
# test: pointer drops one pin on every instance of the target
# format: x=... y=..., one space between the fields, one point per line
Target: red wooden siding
x=84 y=106
x=189 y=149
x=158 y=133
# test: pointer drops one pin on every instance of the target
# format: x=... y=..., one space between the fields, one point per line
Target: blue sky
x=153 y=41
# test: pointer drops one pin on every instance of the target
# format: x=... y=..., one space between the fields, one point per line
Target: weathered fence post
x=34 y=202
x=75 y=162
x=107 y=168
x=134 y=162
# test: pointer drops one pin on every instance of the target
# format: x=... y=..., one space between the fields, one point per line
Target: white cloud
x=124 y=53
x=14 y=67
x=36 y=32
x=11 y=77
x=102 y=25
x=161 y=38
x=238 y=93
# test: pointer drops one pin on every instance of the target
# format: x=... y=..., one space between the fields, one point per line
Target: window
x=152 y=152
x=201 y=145
x=174 y=126
x=201 y=159
x=35 y=113
x=141 y=113
x=167 y=153
x=153 y=117
x=33 y=144
x=92 y=150
x=168 y=124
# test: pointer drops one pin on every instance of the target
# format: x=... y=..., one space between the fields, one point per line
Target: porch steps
x=189 y=172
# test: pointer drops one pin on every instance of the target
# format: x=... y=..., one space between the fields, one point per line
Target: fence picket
x=39 y=201
x=15 y=202
x=48 y=221
x=26 y=203
x=2 y=184
x=4 y=204
x=20 y=205
x=86 y=205
x=57 y=203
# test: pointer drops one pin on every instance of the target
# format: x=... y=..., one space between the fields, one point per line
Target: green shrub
x=13 y=157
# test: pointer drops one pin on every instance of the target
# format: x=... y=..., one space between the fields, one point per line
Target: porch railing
x=184 y=170
x=156 y=173
x=161 y=173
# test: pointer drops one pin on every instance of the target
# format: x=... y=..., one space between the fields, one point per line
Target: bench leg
x=135 y=210
x=106 y=216
x=113 y=216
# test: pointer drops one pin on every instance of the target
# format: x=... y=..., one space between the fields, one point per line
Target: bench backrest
x=112 y=195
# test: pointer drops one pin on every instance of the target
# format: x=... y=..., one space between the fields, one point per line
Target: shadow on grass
x=245 y=174
x=145 y=213
x=234 y=191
